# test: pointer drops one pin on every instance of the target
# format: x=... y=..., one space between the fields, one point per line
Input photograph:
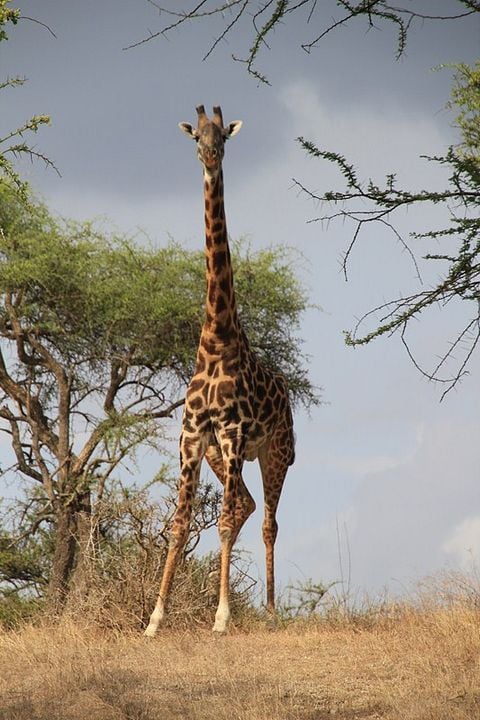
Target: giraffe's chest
x=224 y=399
x=227 y=404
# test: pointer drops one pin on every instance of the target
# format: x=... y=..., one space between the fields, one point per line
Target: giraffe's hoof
x=149 y=633
x=217 y=634
x=272 y=622
x=220 y=627
x=222 y=618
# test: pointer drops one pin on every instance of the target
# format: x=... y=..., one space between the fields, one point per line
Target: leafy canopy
x=93 y=299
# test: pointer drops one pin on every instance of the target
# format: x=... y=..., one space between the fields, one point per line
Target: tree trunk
x=70 y=557
x=85 y=554
x=63 y=559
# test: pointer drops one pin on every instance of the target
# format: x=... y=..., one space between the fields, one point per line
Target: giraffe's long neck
x=221 y=316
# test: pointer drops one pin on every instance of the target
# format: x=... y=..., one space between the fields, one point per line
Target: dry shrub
x=448 y=589
x=309 y=603
x=123 y=564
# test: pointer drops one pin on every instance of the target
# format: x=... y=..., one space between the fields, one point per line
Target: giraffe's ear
x=188 y=130
x=232 y=129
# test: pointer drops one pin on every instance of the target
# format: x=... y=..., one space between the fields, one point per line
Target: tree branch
x=22 y=463
x=373 y=11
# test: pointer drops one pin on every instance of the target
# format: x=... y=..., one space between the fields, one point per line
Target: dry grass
x=421 y=664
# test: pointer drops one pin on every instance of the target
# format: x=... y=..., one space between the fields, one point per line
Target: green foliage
x=26 y=544
x=278 y=13
x=16 y=609
x=13 y=143
x=94 y=299
x=7 y=15
x=271 y=304
x=466 y=101
x=18 y=148
x=24 y=568
x=20 y=563
x=305 y=600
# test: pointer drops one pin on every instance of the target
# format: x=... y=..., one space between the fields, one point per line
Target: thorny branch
x=272 y=15
x=462 y=278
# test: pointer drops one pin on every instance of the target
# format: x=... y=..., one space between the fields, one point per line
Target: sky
x=385 y=485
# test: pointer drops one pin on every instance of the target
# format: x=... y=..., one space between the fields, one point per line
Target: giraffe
x=235 y=409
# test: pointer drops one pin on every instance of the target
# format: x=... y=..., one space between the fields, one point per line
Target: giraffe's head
x=210 y=136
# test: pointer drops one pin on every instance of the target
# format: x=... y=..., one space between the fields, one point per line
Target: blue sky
x=383 y=463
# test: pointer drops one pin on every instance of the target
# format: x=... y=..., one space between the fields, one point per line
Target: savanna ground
x=415 y=661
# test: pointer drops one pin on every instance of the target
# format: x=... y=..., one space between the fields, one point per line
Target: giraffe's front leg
x=227 y=532
x=190 y=459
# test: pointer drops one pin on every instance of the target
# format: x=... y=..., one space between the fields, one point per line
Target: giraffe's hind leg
x=274 y=462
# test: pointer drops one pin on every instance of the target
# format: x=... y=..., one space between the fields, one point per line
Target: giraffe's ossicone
x=235 y=408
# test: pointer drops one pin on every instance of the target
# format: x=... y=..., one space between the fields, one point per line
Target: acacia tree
x=96 y=344
x=97 y=339
x=366 y=203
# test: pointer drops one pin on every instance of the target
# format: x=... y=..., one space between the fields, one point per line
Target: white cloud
x=463 y=543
